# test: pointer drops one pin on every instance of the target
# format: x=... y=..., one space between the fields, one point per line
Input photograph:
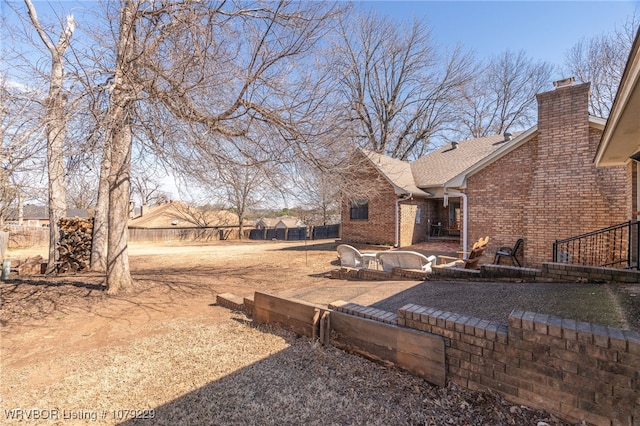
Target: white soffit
x=621 y=138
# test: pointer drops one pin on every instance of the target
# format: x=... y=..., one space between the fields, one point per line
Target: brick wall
x=411 y=231
x=497 y=196
x=575 y=370
x=548 y=188
x=379 y=228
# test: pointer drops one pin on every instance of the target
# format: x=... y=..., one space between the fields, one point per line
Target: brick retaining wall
x=550 y=272
x=575 y=370
x=568 y=273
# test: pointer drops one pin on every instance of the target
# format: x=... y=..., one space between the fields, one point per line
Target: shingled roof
x=445 y=163
x=40 y=212
x=397 y=172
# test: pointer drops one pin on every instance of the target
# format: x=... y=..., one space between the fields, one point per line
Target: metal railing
x=615 y=247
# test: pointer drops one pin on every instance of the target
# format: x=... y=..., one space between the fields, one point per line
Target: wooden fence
x=312 y=232
x=184 y=234
x=27 y=236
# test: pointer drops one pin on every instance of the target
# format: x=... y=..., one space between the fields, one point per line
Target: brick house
x=394 y=211
x=539 y=185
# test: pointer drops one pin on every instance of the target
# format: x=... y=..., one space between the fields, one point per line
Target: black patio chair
x=510 y=252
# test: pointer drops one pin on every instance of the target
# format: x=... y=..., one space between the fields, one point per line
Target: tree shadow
x=40 y=298
x=61 y=282
x=327 y=246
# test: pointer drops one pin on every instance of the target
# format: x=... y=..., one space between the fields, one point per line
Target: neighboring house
x=283 y=222
x=175 y=214
x=38 y=216
x=540 y=185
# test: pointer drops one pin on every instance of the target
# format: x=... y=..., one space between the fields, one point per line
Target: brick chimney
x=567 y=105
x=564 y=197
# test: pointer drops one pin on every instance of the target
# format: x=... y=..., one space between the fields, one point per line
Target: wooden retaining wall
x=422 y=354
x=295 y=315
x=417 y=352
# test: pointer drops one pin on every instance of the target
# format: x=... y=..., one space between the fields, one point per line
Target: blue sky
x=544 y=29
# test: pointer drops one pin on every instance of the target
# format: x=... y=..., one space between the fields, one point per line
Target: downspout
x=465 y=215
x=398 y=201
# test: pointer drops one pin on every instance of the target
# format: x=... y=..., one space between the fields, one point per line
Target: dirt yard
x=166 y=354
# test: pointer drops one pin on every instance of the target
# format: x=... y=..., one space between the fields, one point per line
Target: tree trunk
x=20 y=209
x=55 y=146
x=99 y=243
x=118 y=150
x=118 y=274
x=56 y=128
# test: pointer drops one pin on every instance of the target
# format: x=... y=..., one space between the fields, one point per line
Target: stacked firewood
x=74 y=248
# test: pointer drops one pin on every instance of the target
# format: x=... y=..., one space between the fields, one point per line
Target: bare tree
x=81 y=190
x=238 y=178
x=147 y=188
x=246 y=185
x=202 y=217
x=503 y=95
x=20 y=147
x=56 y=126
x=221 y=67
x=93 y=74
x=399 y=88
x=124 y=94
x=601 y=60
x=322 y=193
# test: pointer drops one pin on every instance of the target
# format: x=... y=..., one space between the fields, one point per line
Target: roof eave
x=621 y=136
x=597 y=122
x=413 y=192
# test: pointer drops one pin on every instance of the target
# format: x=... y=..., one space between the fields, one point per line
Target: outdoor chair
x=454 y=228
x=404 y=260
x=466 y=260
x=510 y=252
x=350 y=257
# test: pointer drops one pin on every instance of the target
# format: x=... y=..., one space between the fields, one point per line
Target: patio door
x=454 y=217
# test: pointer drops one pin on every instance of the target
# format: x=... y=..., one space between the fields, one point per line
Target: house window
x=359 y=209
x=418 y=214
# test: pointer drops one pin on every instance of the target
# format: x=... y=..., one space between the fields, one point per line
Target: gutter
x=465 y=215
x=398 y=201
